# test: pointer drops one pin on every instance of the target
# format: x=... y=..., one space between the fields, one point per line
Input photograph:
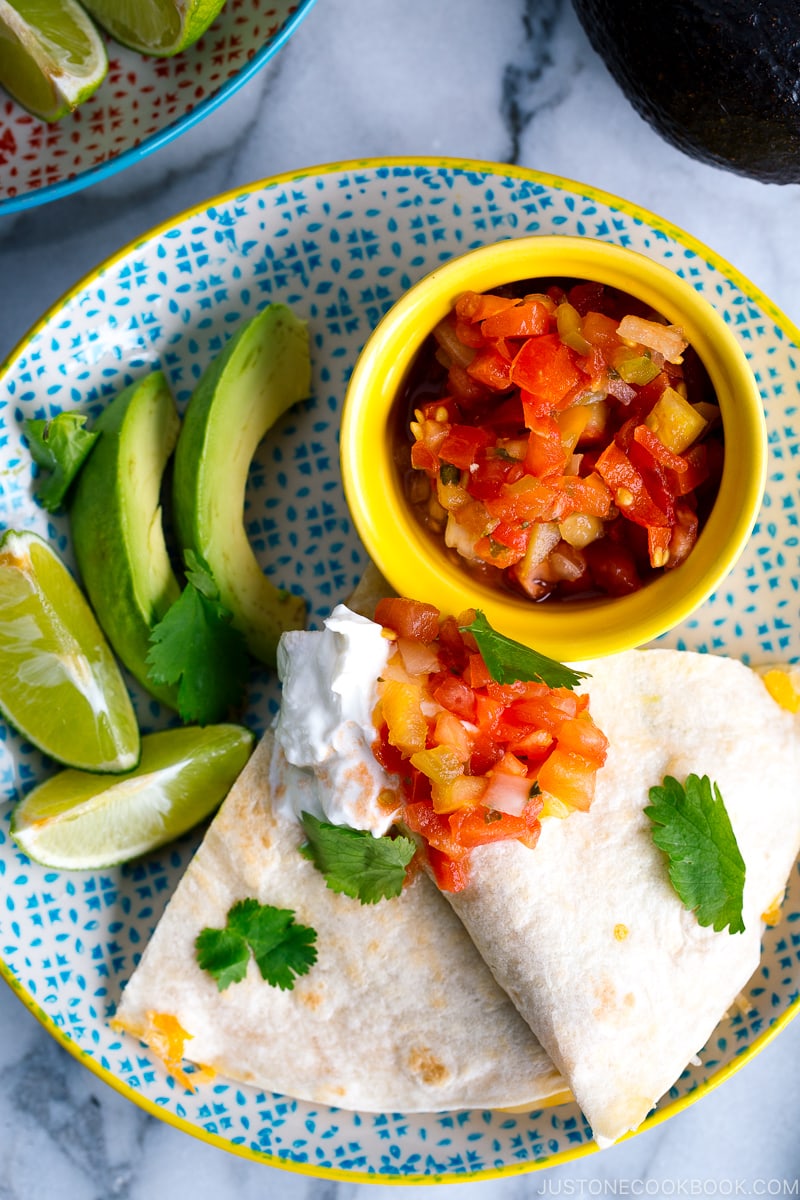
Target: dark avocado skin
x=720 y=80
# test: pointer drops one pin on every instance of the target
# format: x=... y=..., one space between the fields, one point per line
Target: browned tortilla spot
x=425 y=1064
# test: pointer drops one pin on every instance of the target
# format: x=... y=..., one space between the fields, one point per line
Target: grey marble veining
x=511 y=82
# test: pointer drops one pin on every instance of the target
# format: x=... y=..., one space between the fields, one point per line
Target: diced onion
x=507 y=793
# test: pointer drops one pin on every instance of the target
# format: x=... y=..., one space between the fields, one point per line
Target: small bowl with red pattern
x=143 y=103
x=560 y=432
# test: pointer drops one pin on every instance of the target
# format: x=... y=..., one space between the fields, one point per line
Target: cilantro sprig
x=282 y=949
x=691 y=825
x=508 y=661
x=196 y=647
x=59 y=446
x=354 y=861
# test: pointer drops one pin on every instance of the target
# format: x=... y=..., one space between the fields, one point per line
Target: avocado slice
x=717 y=80
x=116 y=522
x=261 y=372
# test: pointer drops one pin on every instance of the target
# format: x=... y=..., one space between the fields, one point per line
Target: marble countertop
x=460 y=78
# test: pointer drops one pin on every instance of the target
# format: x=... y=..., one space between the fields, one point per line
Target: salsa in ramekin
x=561 y=438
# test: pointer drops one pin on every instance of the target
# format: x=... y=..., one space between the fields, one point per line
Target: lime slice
x=60 y=685
x=52 y=57
x=78 y=821
x=159 y=27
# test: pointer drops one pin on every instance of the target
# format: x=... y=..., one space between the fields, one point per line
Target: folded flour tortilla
x=399 y=1013
x=585 y=933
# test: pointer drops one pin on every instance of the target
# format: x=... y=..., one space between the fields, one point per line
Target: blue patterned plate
x=340 y=245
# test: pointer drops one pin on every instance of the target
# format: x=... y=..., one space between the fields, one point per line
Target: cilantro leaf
x=355 y=862
x=282 y=949
x=59 y=446
x=224 y=954
x=195 y=646
x=692 y=827
x=508 y=661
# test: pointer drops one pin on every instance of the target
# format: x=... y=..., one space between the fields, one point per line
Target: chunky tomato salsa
x=564 y=440
x=481 y=759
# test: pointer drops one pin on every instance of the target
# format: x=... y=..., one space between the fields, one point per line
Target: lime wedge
x=76 y=821
x=158 y=27
x=52 y=57
x=60 y=685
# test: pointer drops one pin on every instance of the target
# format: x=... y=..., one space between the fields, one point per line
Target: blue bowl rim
x=134 y=154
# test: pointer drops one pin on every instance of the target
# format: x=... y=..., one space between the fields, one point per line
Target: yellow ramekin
x=407 y=555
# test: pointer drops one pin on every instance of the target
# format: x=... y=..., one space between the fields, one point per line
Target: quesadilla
x=586 y=933
x=388 y=1018
x=575 y=919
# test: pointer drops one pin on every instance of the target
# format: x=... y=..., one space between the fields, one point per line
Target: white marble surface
x=510 y=82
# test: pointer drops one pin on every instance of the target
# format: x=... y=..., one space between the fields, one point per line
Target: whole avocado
x=720 y=79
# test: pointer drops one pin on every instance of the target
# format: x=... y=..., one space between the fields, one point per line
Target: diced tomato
x=488 y=711
x=547 y=711
x=469 y=334
x=545 y=367
x=423 y=458
x=492 y=475
x=525 y=318
x=507 y=415
x=462 y=444
x=495 y=553
x=492 y=369
x=389 y=756
x=531 y=744
x=513 y=537
x=477 y=306
x=696 y=470
x=408 y=618
x=450 y=875
x=590 y=495
x=661 y=453
x=456 y=696
x=569 y=777
x=656 y=480
x=600 y=330
x=526 y=499
x=545 y=455
x=434 y=827
x=628 y=487
x=444 y=409
x=451 y=640
x=580 y=735
x=658 y=540
x=477 y=673
x=480 y=826
x=448 y=730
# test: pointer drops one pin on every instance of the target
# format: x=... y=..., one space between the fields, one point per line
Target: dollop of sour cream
x=323 y=761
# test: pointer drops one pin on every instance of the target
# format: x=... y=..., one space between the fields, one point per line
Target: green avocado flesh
x=261 y=372
x=719 y=81
x=116 y=523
